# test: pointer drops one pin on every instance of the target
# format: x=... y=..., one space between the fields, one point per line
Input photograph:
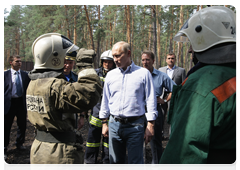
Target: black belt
x=222 y=157
x=56 y=137
x=126 y=119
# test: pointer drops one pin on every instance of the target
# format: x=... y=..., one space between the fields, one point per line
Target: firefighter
x=69 y=62
x=95 y=124
x=203 y=109
x=52 y=101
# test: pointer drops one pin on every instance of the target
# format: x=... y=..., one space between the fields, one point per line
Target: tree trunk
x=125 y=22
x=197 y=7
x=17 y=41
x=154 y=35
x=186 y=50
x=171 y=31
x=132 y=39
x=128 y=25
x=110 y=27
x=75 y=26
x=158 y=36
x=89 y=27
x=67 y=23
x=114 y=27
x=180 y=59
x=166 y=43
x=149 y=36
x=176 y=30
x=97 y=58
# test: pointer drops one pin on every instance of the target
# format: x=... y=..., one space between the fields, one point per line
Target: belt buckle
x=122 y=120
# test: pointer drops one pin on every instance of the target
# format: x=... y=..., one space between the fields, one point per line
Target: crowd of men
x=128 y=103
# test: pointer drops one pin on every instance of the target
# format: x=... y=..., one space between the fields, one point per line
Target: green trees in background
x=98 y=27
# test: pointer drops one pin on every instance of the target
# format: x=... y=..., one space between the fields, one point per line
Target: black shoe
x=20 y=147
x=106 y=164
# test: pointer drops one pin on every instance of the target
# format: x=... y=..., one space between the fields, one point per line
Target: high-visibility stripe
x=95 y=121
x=105 y=144
x=225 y=90
x=102 y=79
x=92 y=145
x=184 y=81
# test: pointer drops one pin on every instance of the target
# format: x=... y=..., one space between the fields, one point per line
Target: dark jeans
x=126 y=136
x=17 y=110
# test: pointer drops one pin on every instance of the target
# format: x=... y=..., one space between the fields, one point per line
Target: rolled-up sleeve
x=151 y=101
x=105 y=111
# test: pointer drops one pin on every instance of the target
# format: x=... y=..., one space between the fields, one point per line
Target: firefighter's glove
x=85 y=58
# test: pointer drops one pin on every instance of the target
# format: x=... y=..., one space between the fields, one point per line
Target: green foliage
x=26 y=22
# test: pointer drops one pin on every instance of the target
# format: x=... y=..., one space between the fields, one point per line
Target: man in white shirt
x=127 y=90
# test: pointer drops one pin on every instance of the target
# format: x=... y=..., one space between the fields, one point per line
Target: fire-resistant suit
x=51 y=104
x=52 y=101
x=95 y=131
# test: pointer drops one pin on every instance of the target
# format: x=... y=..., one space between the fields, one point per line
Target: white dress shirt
x=14 y=89
x=170 y=71
x=126 y=92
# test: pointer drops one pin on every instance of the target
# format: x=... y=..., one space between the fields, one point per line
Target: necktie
x=18 y=85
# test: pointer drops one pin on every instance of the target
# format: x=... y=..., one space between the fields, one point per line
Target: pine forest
x=99 y=27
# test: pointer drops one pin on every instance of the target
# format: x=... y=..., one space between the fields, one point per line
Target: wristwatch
x=165 y=100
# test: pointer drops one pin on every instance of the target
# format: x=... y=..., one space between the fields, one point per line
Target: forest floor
x=23 y=157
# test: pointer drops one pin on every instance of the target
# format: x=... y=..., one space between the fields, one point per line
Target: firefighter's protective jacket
x=203 y=117
x=51 y=104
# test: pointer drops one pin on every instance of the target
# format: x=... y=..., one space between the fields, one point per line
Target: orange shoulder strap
x=225 y=90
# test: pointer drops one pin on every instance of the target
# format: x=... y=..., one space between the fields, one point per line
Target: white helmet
x=209 y=27
x=49 y=51
x=107 y=55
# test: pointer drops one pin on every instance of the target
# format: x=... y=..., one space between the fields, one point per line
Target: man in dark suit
x=177 y=74
x=15 y=85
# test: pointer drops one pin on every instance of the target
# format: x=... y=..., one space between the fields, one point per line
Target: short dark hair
x=11 y=58
x=172 y=54
x=150 y=53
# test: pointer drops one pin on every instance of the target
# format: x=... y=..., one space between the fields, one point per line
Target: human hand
x=105 y=130
x=149 y=132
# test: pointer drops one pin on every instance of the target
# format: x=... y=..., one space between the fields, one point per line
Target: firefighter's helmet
x=209 y=27
x=49 y=51
x=107 y=55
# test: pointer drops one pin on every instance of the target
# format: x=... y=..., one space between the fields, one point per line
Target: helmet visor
x=68 y=44
x=181 y=36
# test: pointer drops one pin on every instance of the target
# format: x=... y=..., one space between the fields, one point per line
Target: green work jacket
x=202 y=115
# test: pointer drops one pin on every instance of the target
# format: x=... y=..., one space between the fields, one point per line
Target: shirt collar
x=13 y=71
x=129 y=68
x=154 y=71
x=172 y=68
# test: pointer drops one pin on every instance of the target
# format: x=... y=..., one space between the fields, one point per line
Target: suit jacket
x=8 y=89
x=179 y=74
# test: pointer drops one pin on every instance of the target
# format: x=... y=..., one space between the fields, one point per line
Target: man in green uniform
x=203 y=109
x=52 y=101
